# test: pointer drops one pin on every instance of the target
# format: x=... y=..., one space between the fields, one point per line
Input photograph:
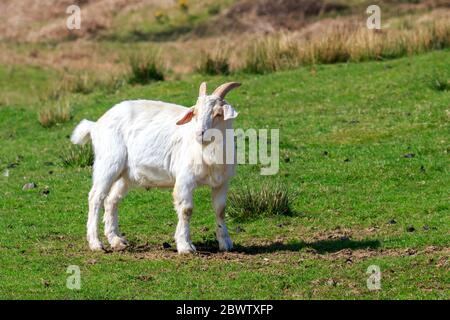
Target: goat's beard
x=213 y=153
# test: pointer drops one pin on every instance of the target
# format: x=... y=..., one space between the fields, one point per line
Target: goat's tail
x=82 y=132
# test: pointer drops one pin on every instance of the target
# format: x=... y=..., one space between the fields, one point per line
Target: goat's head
x=210 y=111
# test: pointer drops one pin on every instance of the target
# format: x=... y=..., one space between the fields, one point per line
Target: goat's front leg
x=219 y=197
x=183 y=201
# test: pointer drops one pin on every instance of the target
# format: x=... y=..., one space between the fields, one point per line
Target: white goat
x=156 y=144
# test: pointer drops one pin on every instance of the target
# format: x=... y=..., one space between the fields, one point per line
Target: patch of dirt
x=281 y=252
x=269 y=15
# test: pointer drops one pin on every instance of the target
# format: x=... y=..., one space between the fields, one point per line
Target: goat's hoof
x=119 y=244
x=186 y=248
x=96 y=246
x=225 y=244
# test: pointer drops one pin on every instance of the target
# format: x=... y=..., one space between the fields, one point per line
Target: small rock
x=166 y=245
x=6 y=173
x=410 y=229
x=392 y=221
x=426 y=227
x=29 y=186
x=92 y=261
x=409 y=155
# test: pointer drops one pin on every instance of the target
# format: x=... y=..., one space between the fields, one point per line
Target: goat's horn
x=222 y=90
x=202 y=89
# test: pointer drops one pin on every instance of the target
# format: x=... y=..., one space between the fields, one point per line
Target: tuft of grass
x=270 y=54
x=55 y=114
x=214 y=63
x=84 y=83
x=146 y=67
x=250 y=203
x=77 y=156
x=440 y=83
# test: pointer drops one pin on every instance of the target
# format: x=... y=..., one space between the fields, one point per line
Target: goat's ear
x=187 y=116
x=229 y=112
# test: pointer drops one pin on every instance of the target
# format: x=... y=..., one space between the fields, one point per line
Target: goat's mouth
x=204 y=140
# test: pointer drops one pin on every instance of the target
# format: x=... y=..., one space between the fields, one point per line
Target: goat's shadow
x=320 y=246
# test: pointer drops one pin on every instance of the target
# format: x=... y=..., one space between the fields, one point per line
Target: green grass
x=345 y=129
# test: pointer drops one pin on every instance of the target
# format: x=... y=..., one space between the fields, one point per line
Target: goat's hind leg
x=110 y=217
x=105 y=174
x=97 y=194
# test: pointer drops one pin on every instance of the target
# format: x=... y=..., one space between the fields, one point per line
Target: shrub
x=183 y=5
x=214 y=63
x=78 y=156
x=250 y=203
x=56 y=114
x=214 y=9
x=161 y=17
x=146 y=67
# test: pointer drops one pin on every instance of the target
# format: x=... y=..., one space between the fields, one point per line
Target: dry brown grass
x=345 y=41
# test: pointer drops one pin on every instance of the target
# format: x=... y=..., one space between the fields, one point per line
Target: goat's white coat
x=139 y=143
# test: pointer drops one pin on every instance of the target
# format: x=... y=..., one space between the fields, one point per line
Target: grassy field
x=364 y=148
